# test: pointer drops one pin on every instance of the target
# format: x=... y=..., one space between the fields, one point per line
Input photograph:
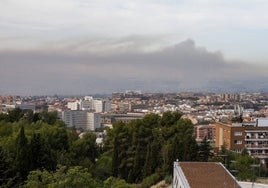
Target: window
x=238 y=150
x=238 y=141
x=238 y=133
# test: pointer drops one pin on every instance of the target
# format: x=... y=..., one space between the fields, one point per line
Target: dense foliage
x=37 y=150
x=150 y=145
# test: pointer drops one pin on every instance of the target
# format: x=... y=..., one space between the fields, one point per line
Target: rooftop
x=207 y=175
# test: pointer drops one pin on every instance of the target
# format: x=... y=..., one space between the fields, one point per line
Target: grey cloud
x=104 y=45
x=183 y=66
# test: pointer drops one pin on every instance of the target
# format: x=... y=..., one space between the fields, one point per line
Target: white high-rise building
x=87 y=103
x=81 y=119
x=93 y=121
x=97 y=106
x=76 y=105
x=75 y=118
x=88 y=98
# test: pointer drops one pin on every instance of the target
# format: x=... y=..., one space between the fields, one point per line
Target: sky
x=102 y=46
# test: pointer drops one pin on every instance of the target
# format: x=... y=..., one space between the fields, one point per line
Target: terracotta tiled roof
x=207 y=175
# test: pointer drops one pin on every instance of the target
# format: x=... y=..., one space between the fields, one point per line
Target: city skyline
x=80 y=47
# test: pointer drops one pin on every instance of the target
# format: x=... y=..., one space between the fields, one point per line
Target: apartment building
x=93 y=121
x=98 y=105
x=231 y=135
x=250 y=135
x=81 y=119
x=204 y=131
x=76 y=105
x=74 y=118
x=90 y=104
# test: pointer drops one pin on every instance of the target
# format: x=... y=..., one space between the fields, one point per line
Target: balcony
x=256 y=138
x=257 y=147
x=260 y=155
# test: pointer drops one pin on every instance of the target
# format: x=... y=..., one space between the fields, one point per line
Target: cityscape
x=237 y=121
x=133 y=94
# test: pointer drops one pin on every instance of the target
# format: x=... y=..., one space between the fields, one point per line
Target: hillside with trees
x=37 y=150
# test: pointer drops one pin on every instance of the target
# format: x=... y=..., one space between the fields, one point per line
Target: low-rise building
x=202 y=175
x=109 y=119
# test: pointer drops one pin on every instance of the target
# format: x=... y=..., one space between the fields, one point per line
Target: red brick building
x=250 y=135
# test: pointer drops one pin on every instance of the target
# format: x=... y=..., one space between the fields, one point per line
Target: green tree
x=57 y=137
x=113 y=182
x=75 y=176
x=223 y=149
x=3 y=117
x=85 y=150
x=103 y=167
x=49 y=117
x=39 y=179
x=29 y=116
x=148 y=166
x=150 y=180
x=150 y=120
x=121 y=143
x=6 y=170
x=6 y=129
x=170 y=118
x=22 y=162
x=36 y=117
x=204 y=150
x=15 y=115
x=149 y=146
x=186 y=144
x=40 y=154
x=242 y=164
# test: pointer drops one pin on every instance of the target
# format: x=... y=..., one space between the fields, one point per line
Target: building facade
x=204 y=131
x=81 y=119
x=75 y=118
x=252 y=136
x=98 y=105
x=93 y=121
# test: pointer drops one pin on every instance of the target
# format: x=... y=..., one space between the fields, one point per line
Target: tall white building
x=90 y=104
x=87 y=103
x=93 y=121
x=98 y=105
x=80 y=113
x=81 y=119
x=76 y=105
x=75 y=118
x=88 y=98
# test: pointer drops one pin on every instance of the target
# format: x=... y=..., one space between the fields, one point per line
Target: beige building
x=202 y=131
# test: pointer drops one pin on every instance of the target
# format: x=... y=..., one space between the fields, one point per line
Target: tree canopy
x=37 y=150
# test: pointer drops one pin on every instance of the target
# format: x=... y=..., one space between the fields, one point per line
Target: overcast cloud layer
x=179 y=67
x=238 y=28
x=96 y=46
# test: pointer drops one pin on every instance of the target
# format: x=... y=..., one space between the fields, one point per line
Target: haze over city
x=80 y=47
